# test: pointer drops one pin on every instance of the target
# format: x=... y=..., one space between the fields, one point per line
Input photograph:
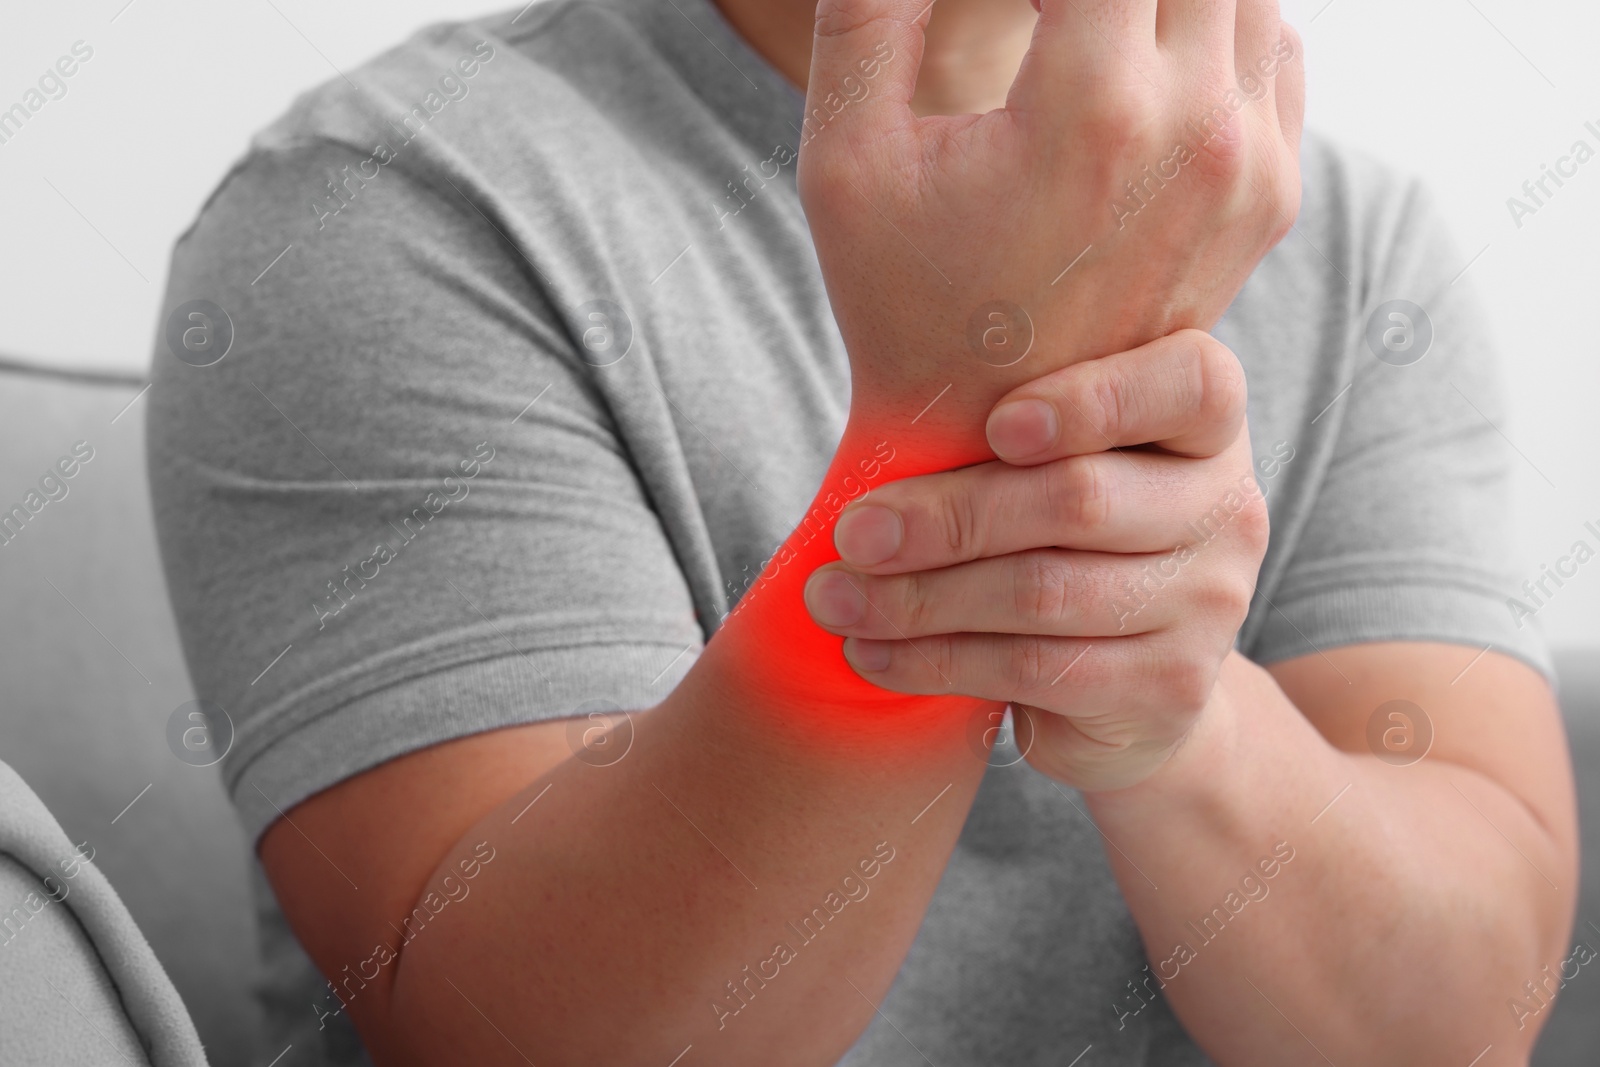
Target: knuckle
x=1239 y=605
x=1118 y=121
x=1032 y=663
x=1275 y=190
x=1080 y=492
x=1254 y=525
x=1104 y=406
x=955 y=521
x=850 y=175
x=1285 y=192
x=1117 y=128
x=827 y=175
x=1226 y=602
x=1186 y=683
x=912 y=606
x=837 y=17
x=1223 y=153
x=1039 y=587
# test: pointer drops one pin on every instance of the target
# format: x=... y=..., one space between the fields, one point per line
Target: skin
x=1195 y=761
x=973 y=50
x=634 y=891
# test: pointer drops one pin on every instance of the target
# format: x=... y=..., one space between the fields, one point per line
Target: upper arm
x=388 y=566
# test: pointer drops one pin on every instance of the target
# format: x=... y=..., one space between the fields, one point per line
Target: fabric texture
x=529 y=368
x=79 y=984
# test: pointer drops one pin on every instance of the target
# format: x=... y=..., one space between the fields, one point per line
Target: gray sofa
x=92 y=672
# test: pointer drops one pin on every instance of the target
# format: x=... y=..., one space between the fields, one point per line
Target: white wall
x=1474 y=96
x=100 y=181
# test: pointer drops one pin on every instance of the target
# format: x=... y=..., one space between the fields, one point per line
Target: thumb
x=864 y=63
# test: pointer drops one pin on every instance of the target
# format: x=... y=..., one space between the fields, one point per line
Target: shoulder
x=543 y=66
x=516 y=105
x=1367 y=233
x=1369 y=223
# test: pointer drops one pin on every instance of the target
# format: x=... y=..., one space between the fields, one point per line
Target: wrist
x=926 y=431
x=771 y=661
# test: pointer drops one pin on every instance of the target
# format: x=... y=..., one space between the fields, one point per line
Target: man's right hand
x=1146 y=159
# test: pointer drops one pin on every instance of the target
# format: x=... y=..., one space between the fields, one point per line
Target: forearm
x=1412 y=910
x=656 y=891
x=747 y=879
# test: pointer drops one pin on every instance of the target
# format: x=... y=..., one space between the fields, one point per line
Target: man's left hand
x=1095 y=578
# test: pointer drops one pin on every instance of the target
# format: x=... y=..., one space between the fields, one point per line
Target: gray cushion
x=79 y=984
x=90 y=684
x=1572 y=1036
x=55 y=988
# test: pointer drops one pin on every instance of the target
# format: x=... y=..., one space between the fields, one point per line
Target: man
x=530 y=404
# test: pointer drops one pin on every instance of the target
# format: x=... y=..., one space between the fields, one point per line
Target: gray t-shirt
x=528 y=366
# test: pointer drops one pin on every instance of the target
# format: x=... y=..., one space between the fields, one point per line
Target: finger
x=1046 y=592
x=1096 y=682
x=1289 y=86
x=1185 y=392
x=1196 y=27
x=1035 y=669
x=1082 y=47
x=1255 y=32
x=864 y=61
x=1128 y=502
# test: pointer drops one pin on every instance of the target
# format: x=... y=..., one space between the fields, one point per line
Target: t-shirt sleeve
x=397 y=509
x=1409 y=535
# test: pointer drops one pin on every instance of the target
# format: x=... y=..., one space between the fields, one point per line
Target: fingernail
x=868 y=534
x=1022 y=428
x=867 y=655
x=833 y=599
